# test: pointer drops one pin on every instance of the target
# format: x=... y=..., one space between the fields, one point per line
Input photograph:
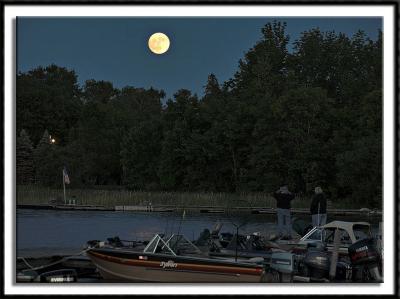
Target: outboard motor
x=63 y=275
x=284 y=263
x=317 y=262
x=282 y=267
x=365 y=259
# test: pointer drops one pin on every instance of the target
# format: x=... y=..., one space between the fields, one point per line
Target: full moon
x=158 y=43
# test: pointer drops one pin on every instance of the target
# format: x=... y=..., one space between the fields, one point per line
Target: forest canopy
x=305 y=117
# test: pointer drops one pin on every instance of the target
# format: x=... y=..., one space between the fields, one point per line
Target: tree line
x=305 y=113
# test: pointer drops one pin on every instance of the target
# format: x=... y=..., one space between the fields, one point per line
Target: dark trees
x=140 y=131
x=24 y=159
x=308 y=116
x=48 y=162
x=47 y=99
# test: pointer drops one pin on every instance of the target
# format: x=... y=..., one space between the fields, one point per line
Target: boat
x=309 y=258
x=350 y=233
x=173 y=259
x=61 y=275
x=54 y=269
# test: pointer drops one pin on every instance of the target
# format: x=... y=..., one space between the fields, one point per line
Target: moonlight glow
x=159 y=43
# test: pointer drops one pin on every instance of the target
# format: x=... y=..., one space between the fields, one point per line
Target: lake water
x=49 y=232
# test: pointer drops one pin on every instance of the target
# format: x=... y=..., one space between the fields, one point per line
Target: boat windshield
x=316 y=235
x=361 y=231
x=330 y=235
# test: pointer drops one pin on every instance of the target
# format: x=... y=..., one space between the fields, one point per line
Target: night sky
x=115 y=49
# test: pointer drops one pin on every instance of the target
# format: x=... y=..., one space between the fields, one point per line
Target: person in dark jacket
x=283 y=203
x=318 y=207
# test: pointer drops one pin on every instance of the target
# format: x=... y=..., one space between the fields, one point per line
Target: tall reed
x=109 y=198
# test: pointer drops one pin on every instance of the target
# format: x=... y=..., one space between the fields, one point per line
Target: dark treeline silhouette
x=306 y=117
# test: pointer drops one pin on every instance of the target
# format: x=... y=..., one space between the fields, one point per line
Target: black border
x=393 y=3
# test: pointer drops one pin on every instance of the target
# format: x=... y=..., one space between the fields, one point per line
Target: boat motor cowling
x=365 y=259
x=363 y=252
x=317 y=260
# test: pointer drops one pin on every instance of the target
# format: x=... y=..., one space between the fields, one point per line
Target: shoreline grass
x=31 y=194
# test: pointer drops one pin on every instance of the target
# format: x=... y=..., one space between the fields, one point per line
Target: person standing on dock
x=318 y=207
x=283 y=203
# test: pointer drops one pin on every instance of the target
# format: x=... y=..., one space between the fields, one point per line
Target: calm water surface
x=47 y=232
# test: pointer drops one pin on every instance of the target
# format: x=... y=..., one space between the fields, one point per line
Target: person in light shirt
x=318 y=207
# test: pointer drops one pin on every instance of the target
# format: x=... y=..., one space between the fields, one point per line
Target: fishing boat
x=173 y=259
x=310 y=258
x=350 y=233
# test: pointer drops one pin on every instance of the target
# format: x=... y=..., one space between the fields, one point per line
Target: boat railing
x=179 y=243
x=174 y=245
x=155 y=242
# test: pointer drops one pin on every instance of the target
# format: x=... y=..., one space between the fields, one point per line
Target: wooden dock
x=64 y=207
x=336 y=212
x=201 y=209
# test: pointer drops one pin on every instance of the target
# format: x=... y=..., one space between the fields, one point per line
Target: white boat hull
x=112 y=268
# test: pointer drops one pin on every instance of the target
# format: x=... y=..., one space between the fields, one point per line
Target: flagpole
x=65 y=199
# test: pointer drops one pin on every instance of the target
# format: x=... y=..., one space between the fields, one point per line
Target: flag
x=65 y=175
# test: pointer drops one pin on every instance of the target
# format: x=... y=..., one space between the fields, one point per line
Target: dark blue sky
x=115 y=49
